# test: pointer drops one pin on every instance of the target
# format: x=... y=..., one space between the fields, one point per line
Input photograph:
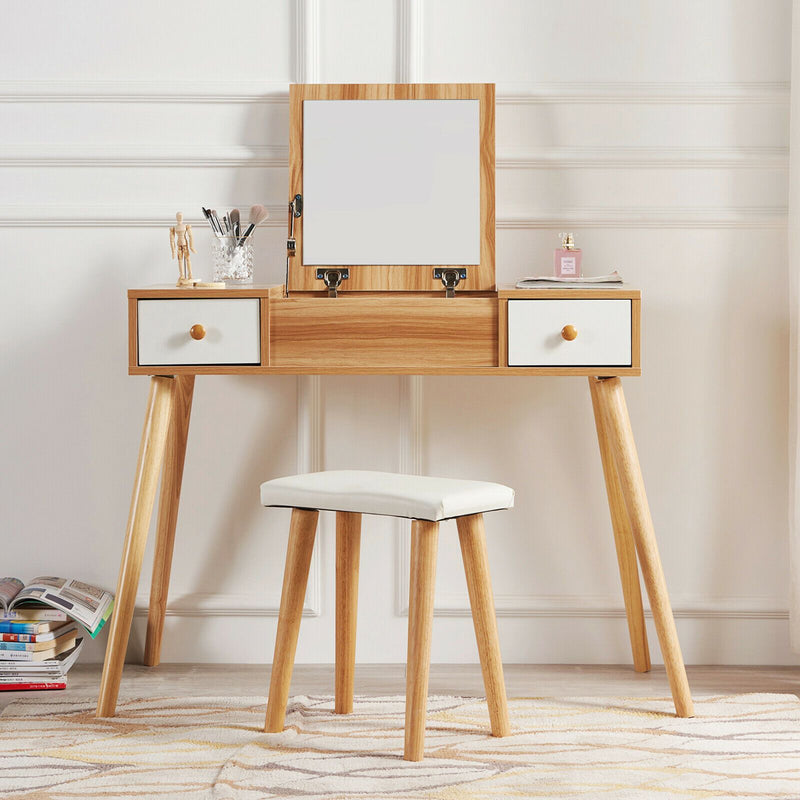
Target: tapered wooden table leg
x=151 y=455
x=168 y=515
x=611 y=401
x=348 y=547
x=302 y=531
x=424 y=542
x=472 y=537
x=623 y=541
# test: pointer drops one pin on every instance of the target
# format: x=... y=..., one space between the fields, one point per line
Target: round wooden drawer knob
x=197 y=332
x=569 y=332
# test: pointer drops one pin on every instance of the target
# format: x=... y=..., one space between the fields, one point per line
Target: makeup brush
x=207 y=215
x=257 y=215
x=235 y=222
x=215 y=217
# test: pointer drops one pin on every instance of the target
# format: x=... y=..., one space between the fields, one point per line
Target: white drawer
x=232 y=331
x=603 y=327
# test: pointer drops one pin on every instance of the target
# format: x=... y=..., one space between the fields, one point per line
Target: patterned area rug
x=206 y=747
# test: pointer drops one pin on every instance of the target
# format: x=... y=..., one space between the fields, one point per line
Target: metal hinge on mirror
x=295 y=212
x=332 y=278
x=450 y=278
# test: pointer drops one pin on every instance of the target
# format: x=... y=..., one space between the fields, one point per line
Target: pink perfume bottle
x=567 y=258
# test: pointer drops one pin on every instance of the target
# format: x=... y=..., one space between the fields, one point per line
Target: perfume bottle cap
x=567 y=241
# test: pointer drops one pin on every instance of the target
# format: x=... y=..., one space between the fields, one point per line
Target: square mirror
x=395 y=180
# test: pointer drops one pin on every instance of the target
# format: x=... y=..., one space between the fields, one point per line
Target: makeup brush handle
x=207 y=215
x=250 y=228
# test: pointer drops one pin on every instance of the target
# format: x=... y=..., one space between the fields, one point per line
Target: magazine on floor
x=89 y=605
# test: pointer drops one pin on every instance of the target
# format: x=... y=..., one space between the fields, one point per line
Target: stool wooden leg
x=623 y=542
x=168 y=516
x=472 y=537
x=148 y=468
x=424 y=542
x=611 y=400
x=348 y=546
x=302 y=532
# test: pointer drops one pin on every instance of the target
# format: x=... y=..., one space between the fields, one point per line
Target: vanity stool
x=426 y=501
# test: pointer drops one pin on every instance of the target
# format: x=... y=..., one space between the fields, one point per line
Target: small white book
x=613 y=279
x=58 y=646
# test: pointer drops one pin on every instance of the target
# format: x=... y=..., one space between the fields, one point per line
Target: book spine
x=18 y=627
x=32 y=687
x=50 y=636
x=22 y=655
x=41 y=614
x=23 y=671
x=16 y=646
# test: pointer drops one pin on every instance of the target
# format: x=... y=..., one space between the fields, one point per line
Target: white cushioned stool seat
x=387 y=494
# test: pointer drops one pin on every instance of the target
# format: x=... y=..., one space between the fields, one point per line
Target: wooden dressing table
x=391 y=325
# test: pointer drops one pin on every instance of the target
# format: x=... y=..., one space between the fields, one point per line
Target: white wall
x=656 y=131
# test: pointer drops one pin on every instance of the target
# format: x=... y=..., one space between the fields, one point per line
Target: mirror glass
x=391 y=182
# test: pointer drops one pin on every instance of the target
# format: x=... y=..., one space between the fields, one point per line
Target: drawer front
x=383 y=332
x=232 y=331
x=603 y=333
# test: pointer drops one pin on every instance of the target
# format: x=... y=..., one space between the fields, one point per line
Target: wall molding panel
x=410 y=463
x=45 y=154
x=76 y=215
x=648 y=217
x=409 y=41
x=409 y=48
x=310 y=404
x=113 y=215
x=632 y=157
x=744 y=93
x=248 y=91
x=410 y=62
x=155 y=155
x=198 y=604
x=267 y=604
x=307 y=39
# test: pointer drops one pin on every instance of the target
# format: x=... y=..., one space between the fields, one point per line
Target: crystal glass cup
x=233 y=262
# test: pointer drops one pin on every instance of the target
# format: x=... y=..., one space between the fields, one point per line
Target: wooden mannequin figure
x=181 y=242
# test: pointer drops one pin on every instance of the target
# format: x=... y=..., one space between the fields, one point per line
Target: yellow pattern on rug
x=214 y=748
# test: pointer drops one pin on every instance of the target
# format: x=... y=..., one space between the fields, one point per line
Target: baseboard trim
x=225 y=605
x=457 y=605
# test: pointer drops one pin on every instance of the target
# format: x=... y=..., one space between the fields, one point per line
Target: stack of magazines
x=612 y=280
x=40 y=637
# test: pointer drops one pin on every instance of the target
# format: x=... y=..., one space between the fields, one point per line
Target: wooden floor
x=522 y=680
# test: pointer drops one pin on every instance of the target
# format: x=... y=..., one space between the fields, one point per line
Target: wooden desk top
x=169 y=291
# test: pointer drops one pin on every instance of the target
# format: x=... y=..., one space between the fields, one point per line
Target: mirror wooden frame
x=398 y=277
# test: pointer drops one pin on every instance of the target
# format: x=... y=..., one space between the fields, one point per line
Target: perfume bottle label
x=568 y=266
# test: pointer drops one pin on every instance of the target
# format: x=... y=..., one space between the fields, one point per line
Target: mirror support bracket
x=450 y=278
x=332 y=278
x=295 y=212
